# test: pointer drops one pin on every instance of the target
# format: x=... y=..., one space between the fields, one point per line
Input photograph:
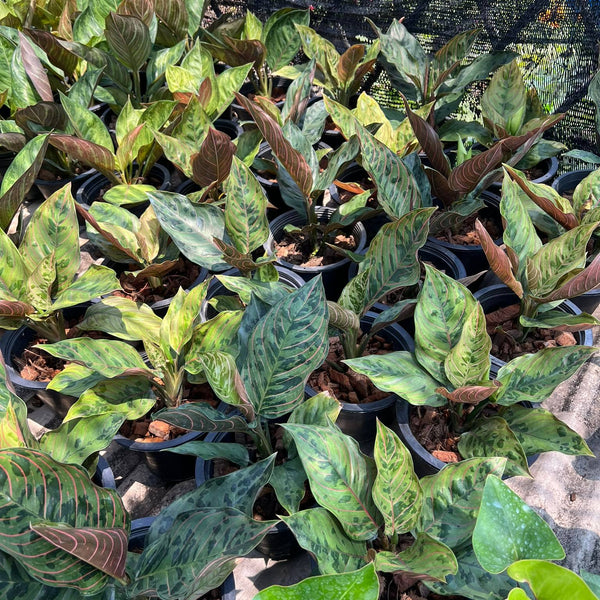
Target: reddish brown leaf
x=440 y=188
x=211 y=165
x=16 y=309
x=35 y=70
x=349 y=61
x=429 y=140
x=86 y=152
x=58 y=54
x=568 y=221
x=290 y=158
x=470 y=394
x=467 y=175
x=584 y=281
x=498 y=259
x=205 y=92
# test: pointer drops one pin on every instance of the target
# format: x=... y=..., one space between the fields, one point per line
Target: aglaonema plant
x=267 y=47
x=126 y=167
x=38 y=279
x=390 y=263
x=340 y=75
x=542 y=275
x=450 y=370
x=457 y=531
x=262 y=375
x=441 y=78
x=67 y=541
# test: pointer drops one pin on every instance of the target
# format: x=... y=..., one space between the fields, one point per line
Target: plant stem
x=52 y=328
x=137 y=89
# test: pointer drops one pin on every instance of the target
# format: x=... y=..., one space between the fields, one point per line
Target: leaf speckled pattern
x=286 y=345
x=36 y=490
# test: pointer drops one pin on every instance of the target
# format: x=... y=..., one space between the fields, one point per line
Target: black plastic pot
x=424 y=462
x=567 y=182
x=550 y=167
x=360 y=420
x=137 y=542
x=472 y=257
x=216 y=288
x=356 y=173
x=104 y=476
x=91 y=189
x=47 y=187
x=168 y=466
x=335 y=276
x=232 y=128
x=499 y=296
x=12 y=345
x=279 y=543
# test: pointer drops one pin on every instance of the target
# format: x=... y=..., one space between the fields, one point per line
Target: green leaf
x=533 y=377
x=182 y=316
x=128 y=194
x=392 y=258
x=508 y=530
x=452 y=497
x=199 y=416
x=468 y=362
x=549 y=581
x=122 y=318
x=53 y=230
x=427 y=559
x=220 y=535
x=397 y=191
x=340 y=477
x=321 y=534
x=560 y=321
x=357 y=585
x=129 y=40
x=396 y=490
x=97 y=281
x=286 y=345
x=440 y=315
x=493 y=437
x=281 y=38
x=245 y=209
x=538 y=430
x=288 y=481
x=192 y=227
x=66 y=498
x=173 y=21
x=87 y=125
x=19 y=178
x=235 y=453
x=399 y=373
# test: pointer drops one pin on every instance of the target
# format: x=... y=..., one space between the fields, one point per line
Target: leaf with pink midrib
x=105 y=549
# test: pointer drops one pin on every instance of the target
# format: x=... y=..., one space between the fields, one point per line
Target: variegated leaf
x=538 y=430
x=192 y=227
x=320 y=533
x=468 y=362
x=559 y=320
x=221 y=535
x=129 y=39
x=441 y=312
x=19 y=178
x=397 y=189
x=286 y=345
x=399 y=373
x=341 y=318
x=88 y=153
x=87 y=125
x=470 y=394
x=426 y=560
x=245 y=208
x=200 y=416
x=466 y=176
x=452 y=497
x=292 y=160
x=76 y=502
x=533 y=377
x=340 y=477
x=396 y=491
x=493 y=437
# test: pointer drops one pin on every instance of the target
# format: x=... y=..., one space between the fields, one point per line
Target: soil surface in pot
x=466 y=234
x=47 y=175
x=296 y=248
x=431 y=428
x=348 y=386
x=145 y=430
x=183 y=274
x=502 y=326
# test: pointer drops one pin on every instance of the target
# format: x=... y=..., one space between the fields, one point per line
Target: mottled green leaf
x=357 y=585
x=288 y=481
x=280 y=36
x=235 y=453
x=340 y=477
x=200 y=416
x=452 y=497
x=87 y=125
x=493 y=437
x=396 y=490
x=508 y=530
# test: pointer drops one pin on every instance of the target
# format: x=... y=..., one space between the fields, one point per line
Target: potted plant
x=40 y=281
x=465 y=527
x=449 y=371
x=540 y=274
